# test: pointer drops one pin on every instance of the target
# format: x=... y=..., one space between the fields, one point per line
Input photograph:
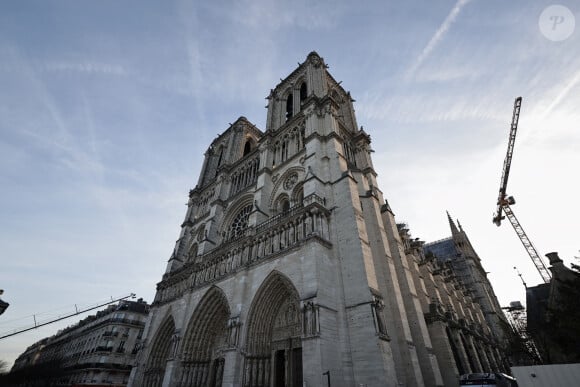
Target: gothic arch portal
x=204 y=340
x=160 y=353
x=273 y=337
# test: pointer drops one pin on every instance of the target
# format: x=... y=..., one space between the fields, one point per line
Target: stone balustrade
x=274 y=236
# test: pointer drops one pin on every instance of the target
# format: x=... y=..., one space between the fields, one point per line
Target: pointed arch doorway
x=274 y=344
x=159 y=355
x=202 y=351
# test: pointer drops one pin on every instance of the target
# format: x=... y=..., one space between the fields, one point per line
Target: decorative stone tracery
x=240 y=222
x=288 y=184
x=280 y=233
x=290 y=181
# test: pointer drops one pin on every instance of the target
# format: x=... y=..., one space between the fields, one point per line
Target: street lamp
x=3 y=305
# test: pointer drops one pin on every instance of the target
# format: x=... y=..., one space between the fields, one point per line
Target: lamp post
x=3 y=305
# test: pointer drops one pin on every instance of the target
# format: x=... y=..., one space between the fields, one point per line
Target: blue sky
x=107 y=107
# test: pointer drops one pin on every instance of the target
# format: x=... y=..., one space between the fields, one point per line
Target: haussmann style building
x=98 y=351
x=290 y=269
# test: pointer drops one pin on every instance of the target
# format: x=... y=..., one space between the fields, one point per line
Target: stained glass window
x=240 y=222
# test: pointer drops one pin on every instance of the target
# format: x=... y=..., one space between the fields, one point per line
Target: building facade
x=99 y=350
x=290 y=269
x=458 y=253
x=553 y=314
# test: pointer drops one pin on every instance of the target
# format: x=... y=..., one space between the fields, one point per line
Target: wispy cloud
x=190 y=26
x=569 y=84
x=274 y=16
x=84 y=67
x=65 y=66
x=437 y=37
x=61 y=141
x=422 y=109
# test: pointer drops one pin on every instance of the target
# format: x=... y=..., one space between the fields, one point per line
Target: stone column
x=485 y=363
x=461 y=350
x=233 y=372
x=472 y=352
x=444 y=353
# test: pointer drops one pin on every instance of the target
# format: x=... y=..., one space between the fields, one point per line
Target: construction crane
x=505 y=202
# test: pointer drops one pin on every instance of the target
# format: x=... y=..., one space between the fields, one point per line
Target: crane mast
x=507 y=162
x=504 y=202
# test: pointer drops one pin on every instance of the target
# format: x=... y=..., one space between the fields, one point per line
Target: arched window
x=298 y=195
x=240 y=222
x=220 y=159
x=248 y=147
x=303 y=92
x=221 y=156
x=284 y=153
x=282 y=204
x=289 y=107
x=285 y=205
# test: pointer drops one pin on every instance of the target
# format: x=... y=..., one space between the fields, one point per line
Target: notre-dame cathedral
x=290 y=269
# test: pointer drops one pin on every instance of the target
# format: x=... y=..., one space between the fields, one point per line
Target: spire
x=454 y=230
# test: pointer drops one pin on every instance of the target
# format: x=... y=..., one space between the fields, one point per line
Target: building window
x=240 y=222
x=289 y=107
x=220 y=159
x=220 y=156
x=248 y=147
x=282 y=204
x=303 y=92
x=285 y=205
x=298 y=195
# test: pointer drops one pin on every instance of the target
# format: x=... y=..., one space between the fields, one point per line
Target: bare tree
x=3 y=367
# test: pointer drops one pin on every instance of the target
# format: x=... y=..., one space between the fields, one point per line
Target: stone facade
x=290 y=267
x=458 y=253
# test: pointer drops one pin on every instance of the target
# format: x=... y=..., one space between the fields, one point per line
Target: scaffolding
x=517 y=317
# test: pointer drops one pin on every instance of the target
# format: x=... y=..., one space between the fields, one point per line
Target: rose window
x=240 y=222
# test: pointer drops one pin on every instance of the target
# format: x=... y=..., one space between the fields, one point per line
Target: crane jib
x=503 y=203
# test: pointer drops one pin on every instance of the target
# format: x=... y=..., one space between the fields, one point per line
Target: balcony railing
x=276 y=235
x=276 y=219
x=126 y=321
